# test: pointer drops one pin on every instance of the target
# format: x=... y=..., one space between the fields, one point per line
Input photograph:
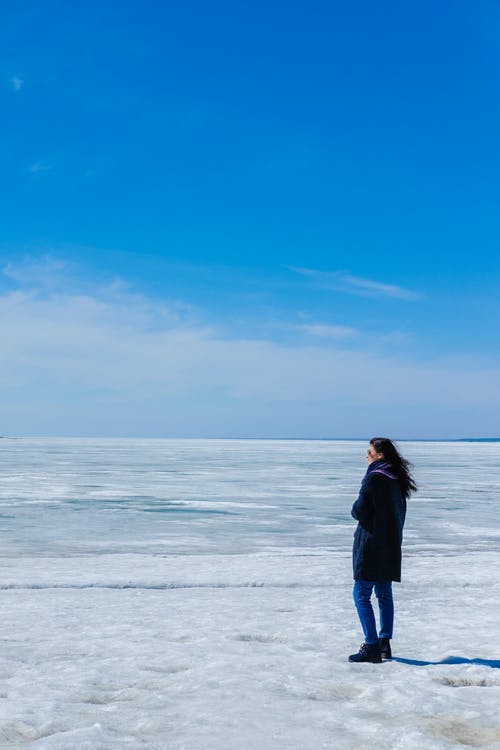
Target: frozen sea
x=196 y=595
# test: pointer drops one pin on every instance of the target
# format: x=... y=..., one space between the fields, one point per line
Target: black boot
x=367 y=652
x=384 y=645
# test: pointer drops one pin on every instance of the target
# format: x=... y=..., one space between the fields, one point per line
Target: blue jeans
x=362 y=594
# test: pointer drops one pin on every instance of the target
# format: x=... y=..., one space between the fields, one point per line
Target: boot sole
x=365 y=661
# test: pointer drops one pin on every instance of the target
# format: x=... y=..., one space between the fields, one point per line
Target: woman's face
x=372 y=455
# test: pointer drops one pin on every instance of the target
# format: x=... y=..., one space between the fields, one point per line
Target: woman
x=380 y=511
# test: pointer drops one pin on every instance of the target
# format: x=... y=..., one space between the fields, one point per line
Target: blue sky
x=250 y=219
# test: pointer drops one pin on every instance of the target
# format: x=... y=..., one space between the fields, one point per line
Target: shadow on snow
x=494 y=663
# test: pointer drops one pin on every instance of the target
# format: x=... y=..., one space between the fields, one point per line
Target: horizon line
x=308 y=439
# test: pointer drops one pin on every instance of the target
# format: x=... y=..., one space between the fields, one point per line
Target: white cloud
x=344 y=282
x=322 y=330
x=40 y=271
x=369 y=286
x=17 y=83
x=130 y=346
x=109 y=361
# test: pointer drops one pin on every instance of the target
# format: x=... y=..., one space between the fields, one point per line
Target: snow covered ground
x=196 y=595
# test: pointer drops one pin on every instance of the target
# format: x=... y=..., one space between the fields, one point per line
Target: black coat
x=380 y=511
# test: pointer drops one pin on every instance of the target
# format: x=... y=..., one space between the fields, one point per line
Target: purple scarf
x=381 y=467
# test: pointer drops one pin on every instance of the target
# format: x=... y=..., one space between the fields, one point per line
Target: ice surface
x=196 y=595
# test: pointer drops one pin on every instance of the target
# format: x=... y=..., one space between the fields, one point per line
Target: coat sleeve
x=362 y=510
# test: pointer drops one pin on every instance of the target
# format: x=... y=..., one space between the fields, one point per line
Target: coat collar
x=381 y=466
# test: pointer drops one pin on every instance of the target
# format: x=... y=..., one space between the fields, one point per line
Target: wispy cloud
x=40 y=166
x=37 y=271
x=326 y=331
x=368 y=286
x=47 y=276
x=84 y=357
x=107 y=360
x=17 y=83
x=345 y=282
x=82 y=341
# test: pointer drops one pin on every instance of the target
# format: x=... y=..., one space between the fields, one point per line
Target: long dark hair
x=399 y=465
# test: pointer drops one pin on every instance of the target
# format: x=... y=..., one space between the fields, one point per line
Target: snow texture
x=197 y=595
